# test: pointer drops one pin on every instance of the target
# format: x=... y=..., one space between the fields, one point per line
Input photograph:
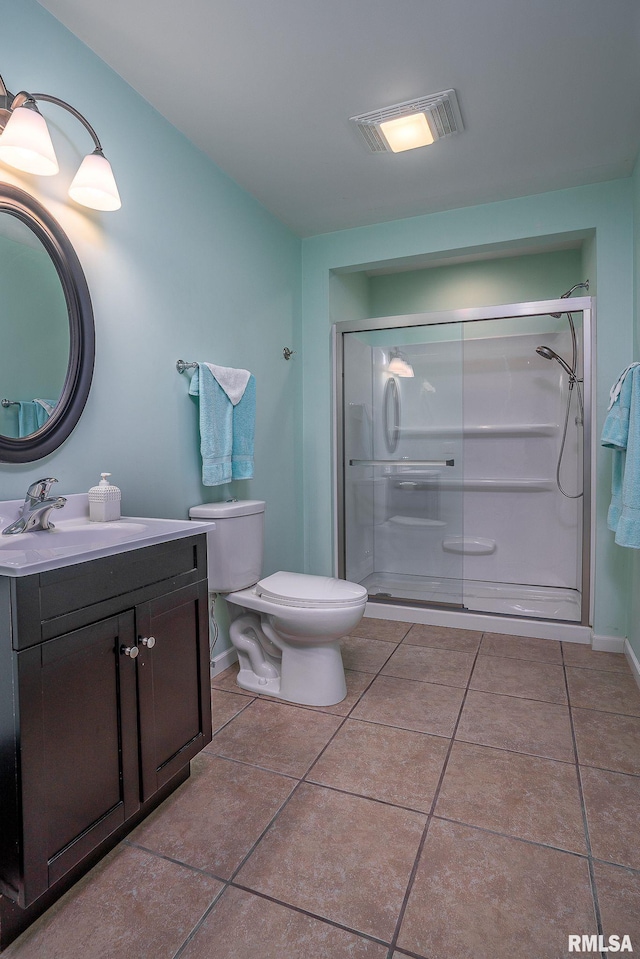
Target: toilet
x=285 y=627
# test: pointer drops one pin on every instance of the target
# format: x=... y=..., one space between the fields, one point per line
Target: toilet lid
x=300 y=589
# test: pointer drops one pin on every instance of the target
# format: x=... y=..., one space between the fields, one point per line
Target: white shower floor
x=544 y=602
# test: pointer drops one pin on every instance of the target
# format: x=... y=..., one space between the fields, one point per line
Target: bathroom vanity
x=104 y=699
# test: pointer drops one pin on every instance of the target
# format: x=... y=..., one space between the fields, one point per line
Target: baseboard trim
x=223 y=660
x=633 y=661
x=608 y=644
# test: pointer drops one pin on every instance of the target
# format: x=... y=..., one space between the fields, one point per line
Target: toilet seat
x=306 y=591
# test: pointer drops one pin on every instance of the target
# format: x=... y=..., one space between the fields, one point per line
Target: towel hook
x=182 y=365
x=287 y=353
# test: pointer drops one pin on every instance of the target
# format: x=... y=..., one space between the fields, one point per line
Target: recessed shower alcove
x=463 y=454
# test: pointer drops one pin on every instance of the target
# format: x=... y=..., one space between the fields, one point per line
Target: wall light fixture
x=25 y=144
x=399 y=365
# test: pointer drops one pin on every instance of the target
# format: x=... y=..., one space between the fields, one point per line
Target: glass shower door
x=402 y=463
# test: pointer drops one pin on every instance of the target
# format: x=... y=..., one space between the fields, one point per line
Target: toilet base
x=308 y=676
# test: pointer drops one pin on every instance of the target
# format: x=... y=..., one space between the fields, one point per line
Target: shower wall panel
x=514 y=404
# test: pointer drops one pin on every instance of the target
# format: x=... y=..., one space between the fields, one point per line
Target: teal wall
x=601 y=213
x=191 y=267
x=516 y=279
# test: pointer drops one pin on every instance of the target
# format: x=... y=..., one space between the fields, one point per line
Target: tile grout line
x=430 y=814
x=508 y=835
x=310 y=915
x=250 y=700
x=253 y=765
x=176 y=862
x=583 y=808
x=198 y=925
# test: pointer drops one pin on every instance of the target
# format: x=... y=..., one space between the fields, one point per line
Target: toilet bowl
x=285 y=627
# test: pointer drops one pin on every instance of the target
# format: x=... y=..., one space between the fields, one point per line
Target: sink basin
x=72 y=535
x=75 y=539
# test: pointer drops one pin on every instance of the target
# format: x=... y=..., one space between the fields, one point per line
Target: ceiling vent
x=440 y=110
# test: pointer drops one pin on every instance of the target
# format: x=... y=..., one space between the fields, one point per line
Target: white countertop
x=75 y=539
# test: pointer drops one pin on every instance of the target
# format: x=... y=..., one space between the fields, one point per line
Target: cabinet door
x=78 y=746
x=173 y=683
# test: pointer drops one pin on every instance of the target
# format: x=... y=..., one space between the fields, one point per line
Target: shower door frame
x=582 y=304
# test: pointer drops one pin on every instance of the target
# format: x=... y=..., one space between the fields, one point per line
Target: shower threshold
x=510 y=599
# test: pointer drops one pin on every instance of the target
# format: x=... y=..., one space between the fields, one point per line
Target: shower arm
x=574 y=343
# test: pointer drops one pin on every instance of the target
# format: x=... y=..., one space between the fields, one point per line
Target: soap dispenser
x=104 y=501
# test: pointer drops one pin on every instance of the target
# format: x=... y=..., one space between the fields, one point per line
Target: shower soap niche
x=470 y=545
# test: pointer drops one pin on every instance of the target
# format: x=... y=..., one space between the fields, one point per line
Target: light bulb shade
x=26 y=145
x=400 y=367
x=407 y=133
x=94 y=184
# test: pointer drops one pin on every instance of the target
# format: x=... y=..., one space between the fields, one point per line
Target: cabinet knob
x=148 y=641
x=131 y=651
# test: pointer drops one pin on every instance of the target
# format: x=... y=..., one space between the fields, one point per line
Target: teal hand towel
x=31 y=416
x=226 y=430
x=621 y=433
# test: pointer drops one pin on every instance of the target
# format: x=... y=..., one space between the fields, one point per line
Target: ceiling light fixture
x=25 y=144
x=412 y=124
x=399 y=365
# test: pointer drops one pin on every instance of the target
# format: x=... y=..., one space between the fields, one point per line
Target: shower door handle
x=401 y=462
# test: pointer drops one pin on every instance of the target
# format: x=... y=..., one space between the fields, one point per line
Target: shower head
x=546 y=351
x=549 y=354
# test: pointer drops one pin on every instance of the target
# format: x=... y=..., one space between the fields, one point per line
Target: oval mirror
x=46 y=331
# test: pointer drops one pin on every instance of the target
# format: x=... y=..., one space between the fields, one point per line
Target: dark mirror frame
x=77 y=384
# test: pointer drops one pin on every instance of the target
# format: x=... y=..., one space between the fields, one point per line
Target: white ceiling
x=549 y=92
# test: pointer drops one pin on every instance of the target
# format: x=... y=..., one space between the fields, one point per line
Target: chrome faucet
x=37 y=506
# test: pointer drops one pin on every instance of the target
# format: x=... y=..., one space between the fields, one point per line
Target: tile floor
x=474 y=797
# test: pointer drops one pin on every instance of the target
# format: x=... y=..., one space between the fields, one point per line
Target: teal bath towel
x=621 y=433
x=226 y=428
x=244 y=423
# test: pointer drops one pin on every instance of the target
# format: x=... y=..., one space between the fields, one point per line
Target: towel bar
x=7 y=403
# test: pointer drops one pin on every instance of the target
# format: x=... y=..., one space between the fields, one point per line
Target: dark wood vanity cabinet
x=104 y=699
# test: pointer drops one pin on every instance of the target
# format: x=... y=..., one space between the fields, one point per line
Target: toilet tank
x=234 y=543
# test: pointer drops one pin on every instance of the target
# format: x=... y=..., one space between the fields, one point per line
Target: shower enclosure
x=463 y=459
